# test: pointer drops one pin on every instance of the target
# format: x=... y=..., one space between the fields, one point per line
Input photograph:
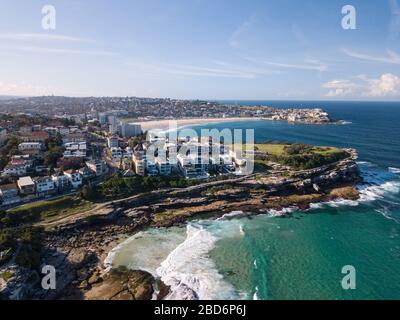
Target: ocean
x=301 y=256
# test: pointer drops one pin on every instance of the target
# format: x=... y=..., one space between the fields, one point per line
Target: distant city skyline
x=211 y=50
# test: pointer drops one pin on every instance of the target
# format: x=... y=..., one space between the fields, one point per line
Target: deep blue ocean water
x=301 y=256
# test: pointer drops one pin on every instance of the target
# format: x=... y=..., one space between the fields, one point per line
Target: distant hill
x=8 y=97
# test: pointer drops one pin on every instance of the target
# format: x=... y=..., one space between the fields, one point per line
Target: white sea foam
x=255 y=296
x=394 y=170
x=316 y=205
x=281 y=212
x=241 y=231
x=344 y=122
x=190 y=272
x=109 y=260
x=385 y=212
x=378 y=185
x=139 y=251
x=233 y=214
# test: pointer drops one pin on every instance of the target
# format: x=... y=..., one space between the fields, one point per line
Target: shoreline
x=164 y=124
x=78 y=246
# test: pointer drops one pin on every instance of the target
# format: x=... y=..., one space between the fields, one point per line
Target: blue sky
x=206 y=49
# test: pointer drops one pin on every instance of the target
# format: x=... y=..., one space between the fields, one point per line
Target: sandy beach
x=180 y=123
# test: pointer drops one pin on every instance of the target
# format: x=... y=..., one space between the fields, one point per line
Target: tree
x=88 y=193
x=51 y=157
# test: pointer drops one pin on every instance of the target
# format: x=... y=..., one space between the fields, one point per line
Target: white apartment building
x=151 y=168
x=98 y=167
x=139 y=160
x=30 y=146
x=193 y=166
x=60 y=180
x=113 y=142
x=163 y=166
x=75 y=178
x=116 y=153
x=44 y=185
x=14 y=170
x=130 y=129
x=26 y=185
x=75 y=149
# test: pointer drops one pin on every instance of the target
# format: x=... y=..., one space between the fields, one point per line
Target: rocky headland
x=78 y=245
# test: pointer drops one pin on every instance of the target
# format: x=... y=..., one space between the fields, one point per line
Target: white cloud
x=26 y=89
x=340 y=88
x=66 y=51
x=40 y=36
x=234 y=40
x=307 y=64
x=387 y=85
x=225 y=70
x=391 y=57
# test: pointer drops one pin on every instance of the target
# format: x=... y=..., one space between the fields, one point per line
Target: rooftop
x=25 y=181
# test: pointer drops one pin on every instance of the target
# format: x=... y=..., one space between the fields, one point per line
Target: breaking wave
x=394 y=170
x=190 y=272
x=379 y=184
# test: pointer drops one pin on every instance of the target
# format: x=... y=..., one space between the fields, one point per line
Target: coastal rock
x=123 y=285
x=347 y=193
x=94 y=278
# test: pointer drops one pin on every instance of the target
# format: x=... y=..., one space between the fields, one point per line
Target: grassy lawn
x=278 y=149
x=298 y=156
x=48 y=209
x=6 y=275
x=273 y=149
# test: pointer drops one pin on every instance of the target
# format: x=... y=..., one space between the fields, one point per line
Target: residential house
x=9 y=194
x=30 y=148
x=86 y=173
x=75 y=178
x=116 y=153
x=14 y=170
x=98 y=167
x=44 y=185
x=36 y=136
x=130 y=129
x=74 y=137
x=26 y=185
x=139 y=160
x=163 y=166
x=151 y=168
x=75 y=150
x=193 y=166
x=61 y=181
x=113 y=142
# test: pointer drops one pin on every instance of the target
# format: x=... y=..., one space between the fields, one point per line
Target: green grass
x=298 y=156
x=278 y=149
x=6 y=275
x=273 y=149
x=48 y=209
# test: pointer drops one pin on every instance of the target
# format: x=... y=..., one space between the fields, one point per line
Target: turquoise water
x=301 y=256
